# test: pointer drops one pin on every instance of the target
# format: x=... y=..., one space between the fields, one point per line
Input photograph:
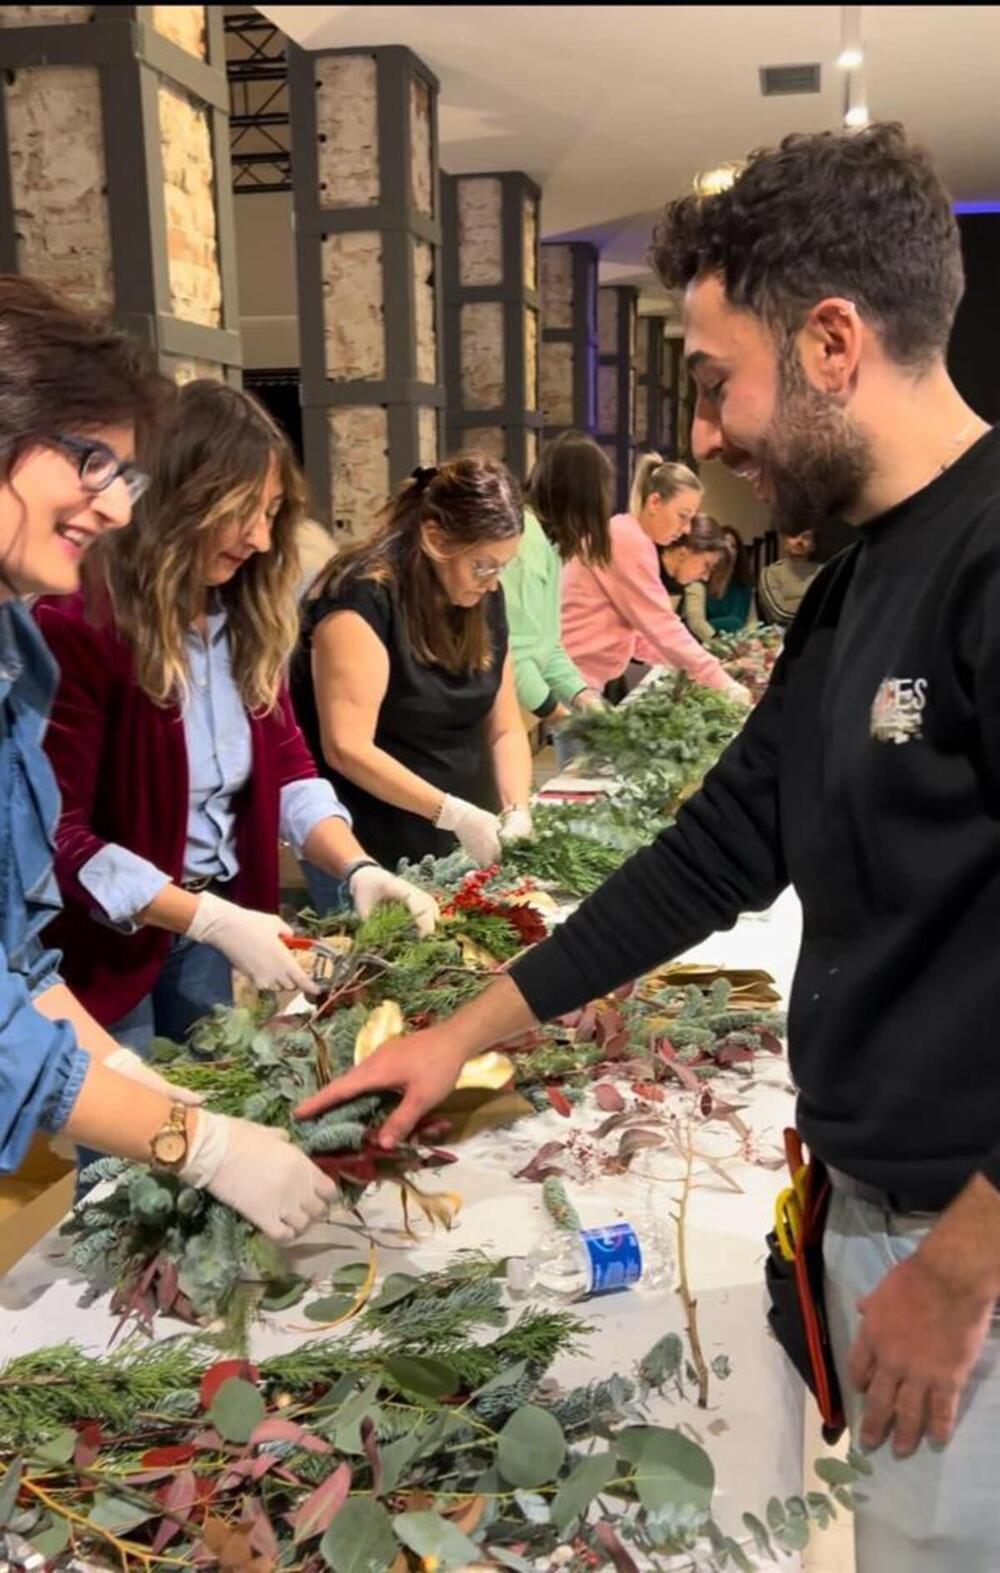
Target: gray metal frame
x=132 y=59
x=583 y=337
x=264 y=168
x=622 y=440
x=399 y=222
x=516 y=299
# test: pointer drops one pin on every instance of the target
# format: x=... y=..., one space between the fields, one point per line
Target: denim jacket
x=42 y=1066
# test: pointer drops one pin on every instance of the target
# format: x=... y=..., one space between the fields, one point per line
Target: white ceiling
x=613 y=109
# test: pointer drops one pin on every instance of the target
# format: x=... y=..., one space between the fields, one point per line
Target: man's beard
x=816 y=460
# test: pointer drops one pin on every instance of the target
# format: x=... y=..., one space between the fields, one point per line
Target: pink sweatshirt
x=611 y=614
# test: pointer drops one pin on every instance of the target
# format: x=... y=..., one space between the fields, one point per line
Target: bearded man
x=820 y=291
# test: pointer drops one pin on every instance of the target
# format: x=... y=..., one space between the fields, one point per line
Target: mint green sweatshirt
x=545 y=674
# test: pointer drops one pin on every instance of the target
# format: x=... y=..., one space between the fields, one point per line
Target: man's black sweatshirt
x=869 y=778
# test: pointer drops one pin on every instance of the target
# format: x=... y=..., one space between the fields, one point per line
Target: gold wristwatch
x=168 y=1148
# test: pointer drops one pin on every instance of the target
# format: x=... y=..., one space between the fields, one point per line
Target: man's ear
x=830 y=343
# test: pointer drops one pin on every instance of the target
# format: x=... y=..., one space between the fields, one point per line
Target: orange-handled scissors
x=790 y=1214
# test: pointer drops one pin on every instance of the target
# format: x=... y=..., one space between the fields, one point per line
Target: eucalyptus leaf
x=397 y=1287
x=430 y=1535
x=51 y=1541
x=576 y=1494
x=280 y=1296
x=737 y=1555
x=670 y=1471
x=762 y=1539
x=775 y=1514
x=860 y=1462
x=397 y=1457
x=422 y=1375
x=59 y=1449
x=793 y=1535
x=329 y=1307
x=351 y=1276
x=531 y=1448
x=237 y=1409
x=344 y=1429
x=119 y=1514
x=8 y=1491
x=508 y=1377
x=360 y=1539
x=835 y=1472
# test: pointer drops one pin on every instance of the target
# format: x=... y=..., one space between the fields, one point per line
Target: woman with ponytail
x=403 y=670
x=618 y=612
x=173 y=738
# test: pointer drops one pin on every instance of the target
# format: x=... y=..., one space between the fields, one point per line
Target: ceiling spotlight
x=856 y=117
x=849 y=59
x=712 y=181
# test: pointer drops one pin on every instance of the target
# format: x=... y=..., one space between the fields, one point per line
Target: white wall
x=265 y=251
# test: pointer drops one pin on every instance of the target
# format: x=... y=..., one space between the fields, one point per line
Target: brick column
x=617 y=316
x=569 y=336
x=491 y=308
x=368 y=237
x=115 y=183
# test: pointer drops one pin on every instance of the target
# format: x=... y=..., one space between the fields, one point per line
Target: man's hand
x=923 y=1329
x=424 y=1067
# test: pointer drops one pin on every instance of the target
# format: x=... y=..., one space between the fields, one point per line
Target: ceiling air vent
x=780 y=80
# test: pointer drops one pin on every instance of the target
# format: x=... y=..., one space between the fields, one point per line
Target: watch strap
x=355 y=867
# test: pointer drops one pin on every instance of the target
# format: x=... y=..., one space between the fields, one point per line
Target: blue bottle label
x=615 y=1258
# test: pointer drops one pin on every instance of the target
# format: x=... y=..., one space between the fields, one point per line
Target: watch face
x=170 y=1147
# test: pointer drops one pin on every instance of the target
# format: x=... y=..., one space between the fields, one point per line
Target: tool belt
x=794 y=1277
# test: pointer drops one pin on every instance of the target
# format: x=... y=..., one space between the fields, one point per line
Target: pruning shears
x=790 y=1214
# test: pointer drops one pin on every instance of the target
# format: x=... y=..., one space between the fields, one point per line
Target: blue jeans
x=194 y=978
x=939 y=1510
x=326 y=894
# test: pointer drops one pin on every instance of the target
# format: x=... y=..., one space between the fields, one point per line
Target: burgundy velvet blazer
x=122 y=768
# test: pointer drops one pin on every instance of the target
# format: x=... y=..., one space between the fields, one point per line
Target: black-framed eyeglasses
x=98 y=466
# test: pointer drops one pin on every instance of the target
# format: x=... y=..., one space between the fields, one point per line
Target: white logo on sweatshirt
x=898 y=710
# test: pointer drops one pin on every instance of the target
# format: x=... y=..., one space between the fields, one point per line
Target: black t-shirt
x=869 y=778
x=431 y=720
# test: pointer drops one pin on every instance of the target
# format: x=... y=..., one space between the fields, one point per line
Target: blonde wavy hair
x=664 y=477
x=210 y=463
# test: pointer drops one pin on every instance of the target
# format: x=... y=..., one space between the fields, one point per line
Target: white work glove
x=257 y=1171
x=251 y=941
x=515 y=825
x=128 y=1064
x=739 y=695
x=370 y=885
x=476 y=829
x=587 y=699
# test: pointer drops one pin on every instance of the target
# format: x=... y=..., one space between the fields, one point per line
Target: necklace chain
x=950 y=456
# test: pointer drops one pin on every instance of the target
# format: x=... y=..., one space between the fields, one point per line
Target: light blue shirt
x=219 y=751
x=42 y=1066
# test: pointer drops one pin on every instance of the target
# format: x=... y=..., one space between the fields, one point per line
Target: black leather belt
x=890 y=1201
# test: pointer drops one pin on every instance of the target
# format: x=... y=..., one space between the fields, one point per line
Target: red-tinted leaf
x=559 y=1101
x=609 y=1024
x=624 y=991
x=616 y=1046
x=178 y=1498
x=89 y=1444
x=587 y=1025
x=360 y=1167
x=320 y=1508
x=167 y=1457
x=610 y=1124
x=733 y=1055
x=208 y=1440
x=370 y=1446
x=706 y=1103
x=608 y=1098
x=684 y=1074
x=571 y=1019
x=288 y=1431
x=432 y=1128
x=770 y=1041
x=666 y=1050
x=247 y=1469
x=225 y=1371
x=616 y=1551
x=166 y=1284
x=541 y=1166
x=262 y=1536
x=635 y=1140
x=648 y=1091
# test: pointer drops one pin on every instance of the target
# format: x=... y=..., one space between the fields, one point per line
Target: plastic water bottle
x=577 y=1264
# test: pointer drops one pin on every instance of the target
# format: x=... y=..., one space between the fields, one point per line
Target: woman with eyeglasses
x=403 y=670
x=174 y=741
x=74 y=396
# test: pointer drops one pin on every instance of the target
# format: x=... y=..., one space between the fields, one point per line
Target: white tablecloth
x=753 y=1428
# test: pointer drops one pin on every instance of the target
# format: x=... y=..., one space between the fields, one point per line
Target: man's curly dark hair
x=861 y=214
